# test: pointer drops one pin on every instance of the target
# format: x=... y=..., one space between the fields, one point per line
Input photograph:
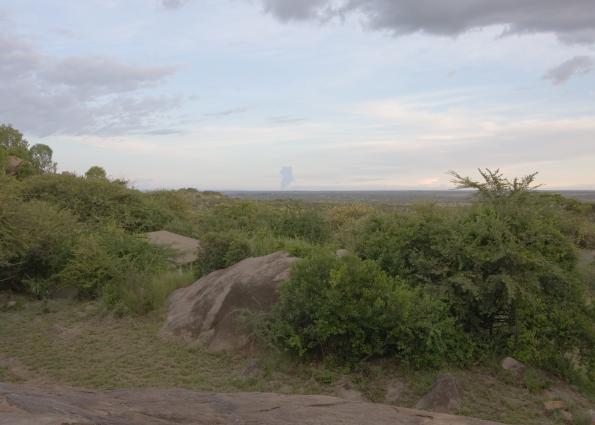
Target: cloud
x=77 y=95
x=227 y=112
x=99 y=75
x=285 y=120
x=296 y=10
x=173 y=4
x=286 y=176
x=568 y=69
x=573 y=21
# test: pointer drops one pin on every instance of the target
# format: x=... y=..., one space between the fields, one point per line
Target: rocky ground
x=25 y=405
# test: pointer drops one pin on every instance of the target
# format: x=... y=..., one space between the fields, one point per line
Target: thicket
x=433 y=284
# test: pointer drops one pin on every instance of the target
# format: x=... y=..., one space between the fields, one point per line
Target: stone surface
x=445 y=396
x=513 y=366
x=394 y=390
x=345 y=390
x=185 y=249
x=26 y=405
x=206 y=311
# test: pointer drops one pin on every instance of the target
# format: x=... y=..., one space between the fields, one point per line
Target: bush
x=351 y=310
x=106 y=262
x=302 y=223
x=97 y=201
x=506 y=266
x=36 y=241
x=220 y=250
x=145 y=293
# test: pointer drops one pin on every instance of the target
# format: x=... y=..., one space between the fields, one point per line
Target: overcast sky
x=304 y=94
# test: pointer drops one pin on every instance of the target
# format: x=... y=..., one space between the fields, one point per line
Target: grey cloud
x=99 y=75
x=76 y=95
x=227 y=112
x=173 y=4
x=296 y=10
x=571 y=20
x=566 y=70
x=286 y=176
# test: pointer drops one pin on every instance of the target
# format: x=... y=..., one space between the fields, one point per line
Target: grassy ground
x=75 y=343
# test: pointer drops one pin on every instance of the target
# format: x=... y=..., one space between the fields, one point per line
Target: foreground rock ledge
x=28 y=405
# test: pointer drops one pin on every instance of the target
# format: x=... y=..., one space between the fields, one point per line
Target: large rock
x=444 y=397
x=513 y=366
x=12 y=165
x=24 y=405
x=207 y=310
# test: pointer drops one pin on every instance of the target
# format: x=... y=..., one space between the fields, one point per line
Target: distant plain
x=385 y=196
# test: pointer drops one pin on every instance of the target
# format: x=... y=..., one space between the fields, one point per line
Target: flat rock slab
x=29 y=405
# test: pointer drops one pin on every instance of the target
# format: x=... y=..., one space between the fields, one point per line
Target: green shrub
x=221 y=250
x=299 y=222
x=506 y=266
x=142 y=293
x=97 y=201
x=36 y=241
x=349 y=309
x=109 y=260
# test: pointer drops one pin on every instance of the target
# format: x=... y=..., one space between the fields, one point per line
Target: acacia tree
x=495 y=185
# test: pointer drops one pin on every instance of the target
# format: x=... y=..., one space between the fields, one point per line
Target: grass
x=74 y=343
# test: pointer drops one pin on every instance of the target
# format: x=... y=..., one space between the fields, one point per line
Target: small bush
x=221 y=250
x=349 y=309
x=302 y=223
x=97 y=201
x=36 y=241
x=109 y=260
x=142 y=294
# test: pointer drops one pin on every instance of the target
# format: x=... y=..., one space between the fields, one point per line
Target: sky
x=304 y=95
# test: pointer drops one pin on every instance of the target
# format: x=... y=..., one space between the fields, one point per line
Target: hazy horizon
x=312 y=95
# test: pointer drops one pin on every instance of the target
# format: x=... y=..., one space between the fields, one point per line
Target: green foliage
x=296 y=221
x=495 y=186
x=96 y=172
x=97 y=201
x=506 y=266
x=107 y=262
x=26 y=169
x=36 y=242
x=143 y=293
x=221 y=250
x=13 y=142
x=351 y=310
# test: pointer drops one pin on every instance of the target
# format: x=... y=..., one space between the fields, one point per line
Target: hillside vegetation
x=423 y=285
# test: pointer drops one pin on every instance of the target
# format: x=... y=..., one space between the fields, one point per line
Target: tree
x=13 y=142
x=96 y=172
x=495 y=185
x=41 y=158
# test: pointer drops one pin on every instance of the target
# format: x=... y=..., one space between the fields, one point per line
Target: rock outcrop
x=444 y=397
x=24 y=405
x=513 y=366
x=207 y=310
